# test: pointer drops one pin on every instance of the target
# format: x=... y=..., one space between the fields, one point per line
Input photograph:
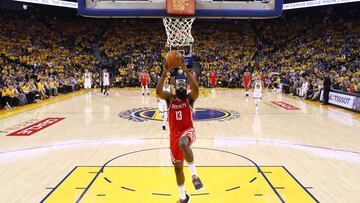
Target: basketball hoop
x=178 y=31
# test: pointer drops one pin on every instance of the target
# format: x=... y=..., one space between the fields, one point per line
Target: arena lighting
x=289 y=6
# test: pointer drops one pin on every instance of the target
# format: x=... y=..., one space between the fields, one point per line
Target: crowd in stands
x=132 y=47
x=294 y=55
x=41 y=57
x=319 y=47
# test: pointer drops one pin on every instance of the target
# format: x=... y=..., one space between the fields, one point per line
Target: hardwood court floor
x=112 y=149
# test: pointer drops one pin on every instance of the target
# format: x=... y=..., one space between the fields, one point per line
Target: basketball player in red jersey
x=247 y=81
x=213 y=81
x=182 y=133
x=263 y=78
x=144 y=82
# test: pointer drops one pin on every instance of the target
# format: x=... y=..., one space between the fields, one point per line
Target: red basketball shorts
x=176 y=153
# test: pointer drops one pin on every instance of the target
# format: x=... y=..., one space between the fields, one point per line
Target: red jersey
x=213 y=78
x=143 y=79
x=180 y=116
x=263 y=79
x=247 y=78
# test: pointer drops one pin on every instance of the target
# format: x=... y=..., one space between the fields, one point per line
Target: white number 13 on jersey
x=178 y=115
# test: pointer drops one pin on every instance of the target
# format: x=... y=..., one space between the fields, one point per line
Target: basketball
x=173 y=59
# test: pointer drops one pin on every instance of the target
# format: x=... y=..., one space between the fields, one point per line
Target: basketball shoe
x=197 y=183
x=186 y=200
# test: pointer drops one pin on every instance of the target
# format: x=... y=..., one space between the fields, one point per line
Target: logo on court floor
x=285 y=105
x=201 y=114
x=36 y=127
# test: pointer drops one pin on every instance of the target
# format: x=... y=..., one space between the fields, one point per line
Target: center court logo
x=201 y=114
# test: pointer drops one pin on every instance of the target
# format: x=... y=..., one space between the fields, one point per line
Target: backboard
x=203 y=8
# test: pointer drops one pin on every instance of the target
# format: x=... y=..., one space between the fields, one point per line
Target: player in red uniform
x=182 y=133
x=247 y=81
x=213 y=81
x=144 y=82
x=263 y=79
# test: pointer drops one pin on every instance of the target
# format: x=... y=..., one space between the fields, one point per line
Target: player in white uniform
x=304 y=89
x=87 y=79
x=106 y=81
x=162 y=104
x=258 y=87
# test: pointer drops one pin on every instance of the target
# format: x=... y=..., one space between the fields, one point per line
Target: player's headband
x=180 y=81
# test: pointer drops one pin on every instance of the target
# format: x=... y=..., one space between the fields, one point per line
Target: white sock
x=193 y=169
x=182 y=192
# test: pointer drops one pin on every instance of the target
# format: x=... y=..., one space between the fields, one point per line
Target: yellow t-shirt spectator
x=40 y=86
x=4 y=92
x=25 y=88
x=52 y=84
x=10 y=92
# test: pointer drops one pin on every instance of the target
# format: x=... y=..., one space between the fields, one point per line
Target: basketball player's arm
x=159 y=88
x=194 y=94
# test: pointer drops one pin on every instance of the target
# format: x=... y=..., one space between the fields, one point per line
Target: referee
x=327 y=85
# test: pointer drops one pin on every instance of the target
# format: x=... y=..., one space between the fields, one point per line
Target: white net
x=178 y=31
